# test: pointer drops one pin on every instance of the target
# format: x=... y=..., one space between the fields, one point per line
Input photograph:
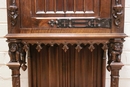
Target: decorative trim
x=13 y=12
x=78 y=47
x=26 y=48
x=65 y=47
x=91 y=47
x=81 y=23
x=105 y=48
x=51 y=22
x=117 y=13
x=39 y=48
x=65 y=44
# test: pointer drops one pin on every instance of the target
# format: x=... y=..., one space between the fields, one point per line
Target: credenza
x=65 y=43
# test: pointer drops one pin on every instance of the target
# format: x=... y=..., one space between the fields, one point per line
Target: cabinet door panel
x=40 y=12
x=73 y=7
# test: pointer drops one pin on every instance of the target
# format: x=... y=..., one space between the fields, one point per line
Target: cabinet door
x=68 y=16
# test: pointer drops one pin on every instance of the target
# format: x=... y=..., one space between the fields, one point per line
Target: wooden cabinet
x=65 y=42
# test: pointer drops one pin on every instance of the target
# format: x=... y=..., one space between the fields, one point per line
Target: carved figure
x=17 y=54
x=13 y=52
x=114 y=53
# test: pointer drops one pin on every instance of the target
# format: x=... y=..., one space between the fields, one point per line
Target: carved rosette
x=13 y=12
x=117 y=13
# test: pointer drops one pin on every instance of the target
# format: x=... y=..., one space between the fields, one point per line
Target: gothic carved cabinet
x=65 y=42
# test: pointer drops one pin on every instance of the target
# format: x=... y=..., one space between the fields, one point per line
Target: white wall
x=5 y=78
x=5 y=73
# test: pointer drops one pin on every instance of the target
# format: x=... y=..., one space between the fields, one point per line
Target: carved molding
x=13 y=12
x=117 y=13
x=84 y=23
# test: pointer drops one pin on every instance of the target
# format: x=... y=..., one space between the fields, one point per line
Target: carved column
x=114 y=60
x=17 y=60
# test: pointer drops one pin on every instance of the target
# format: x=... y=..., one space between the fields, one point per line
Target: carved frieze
x=13 y=12
x=81 y=23
x=65 y=47
x=117 y=13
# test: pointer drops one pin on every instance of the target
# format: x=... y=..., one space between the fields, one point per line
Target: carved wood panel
x=71 y=7
x=52 y=67
x=39 y=12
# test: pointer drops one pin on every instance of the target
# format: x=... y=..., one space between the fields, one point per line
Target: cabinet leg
x=115 y=67
x=15 y=67
x=114 y=60
x=17 y=60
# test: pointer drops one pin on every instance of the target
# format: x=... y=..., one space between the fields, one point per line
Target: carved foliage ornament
x=117 y=12
x=13 y=12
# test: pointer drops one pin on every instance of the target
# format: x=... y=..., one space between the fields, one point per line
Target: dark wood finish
x=66 y=42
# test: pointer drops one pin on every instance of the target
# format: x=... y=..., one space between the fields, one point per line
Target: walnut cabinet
x=66 y=42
